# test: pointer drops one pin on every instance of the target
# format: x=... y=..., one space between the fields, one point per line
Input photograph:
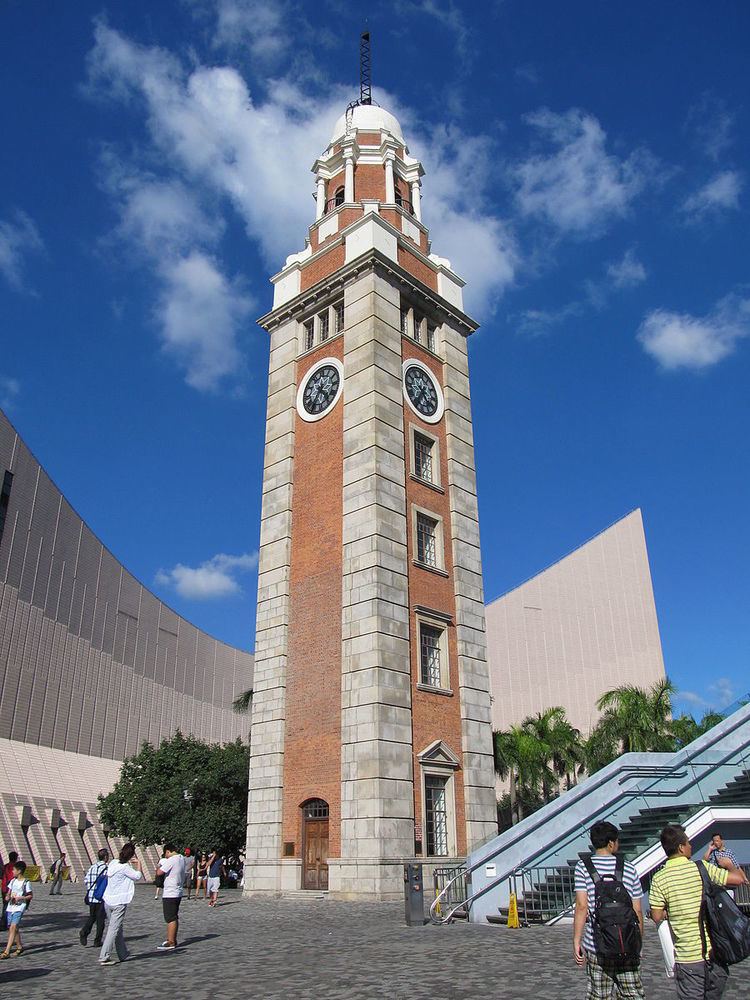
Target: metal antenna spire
x=365 y=62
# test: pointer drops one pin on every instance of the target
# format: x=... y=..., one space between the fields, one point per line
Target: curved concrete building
x=91 y=665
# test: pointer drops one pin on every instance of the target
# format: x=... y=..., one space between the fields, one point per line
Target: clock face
x=421 y=390
x=321 y=390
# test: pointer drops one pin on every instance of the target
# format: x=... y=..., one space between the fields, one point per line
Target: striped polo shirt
x=678 y=887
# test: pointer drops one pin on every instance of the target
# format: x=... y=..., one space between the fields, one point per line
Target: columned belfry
x=371 y=736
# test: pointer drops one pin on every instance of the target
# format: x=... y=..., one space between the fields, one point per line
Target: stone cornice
x=372 y=260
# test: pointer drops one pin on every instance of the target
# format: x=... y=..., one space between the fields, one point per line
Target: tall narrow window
x=430 y=666
x=5 y=499
x=338 y=198
x=436 y=814
x=323 y=325
x=338 y=316
x=405 y=321
x=430 y=337
x=309 y=333
x=423 y=457
x=418 y=321
x=426 y=540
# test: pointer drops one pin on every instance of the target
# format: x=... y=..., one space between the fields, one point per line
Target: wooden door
x=315 y=849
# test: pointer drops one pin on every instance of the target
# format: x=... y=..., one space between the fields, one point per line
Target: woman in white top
x=121 y=878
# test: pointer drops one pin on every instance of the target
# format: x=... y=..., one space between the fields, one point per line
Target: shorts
x=213 y=884
x=171 y=907
x=15 y=918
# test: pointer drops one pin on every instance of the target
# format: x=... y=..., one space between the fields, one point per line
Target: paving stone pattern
x=290 y=949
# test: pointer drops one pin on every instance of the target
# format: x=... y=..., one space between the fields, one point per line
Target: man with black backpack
x=95 y=881
x=608 y=921
x=678 y=892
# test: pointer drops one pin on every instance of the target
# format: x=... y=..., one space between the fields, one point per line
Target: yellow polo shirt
x=678 y=888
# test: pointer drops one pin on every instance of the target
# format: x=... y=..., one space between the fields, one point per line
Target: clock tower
x=371 y=734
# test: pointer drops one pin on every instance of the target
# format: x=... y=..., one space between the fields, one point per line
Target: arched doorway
x=315 y=844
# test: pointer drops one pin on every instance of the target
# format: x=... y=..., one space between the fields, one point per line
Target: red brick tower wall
x=312 y=757
x=434 y=716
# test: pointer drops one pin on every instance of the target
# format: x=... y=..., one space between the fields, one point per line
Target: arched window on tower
x=338 y=198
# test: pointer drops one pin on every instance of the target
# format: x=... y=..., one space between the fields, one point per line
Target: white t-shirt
x=120 y=883
x=174 y=875
x=18 y=887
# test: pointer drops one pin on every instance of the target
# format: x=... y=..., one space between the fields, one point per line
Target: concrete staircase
x=547 y=897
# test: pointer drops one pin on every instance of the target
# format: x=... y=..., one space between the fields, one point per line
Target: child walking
x=19 y=895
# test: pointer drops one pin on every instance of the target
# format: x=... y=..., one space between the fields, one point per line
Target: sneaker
x=108 y=961
x=83 y=938
x=166 y=947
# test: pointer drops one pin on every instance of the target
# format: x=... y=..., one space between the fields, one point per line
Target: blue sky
x=587 y=173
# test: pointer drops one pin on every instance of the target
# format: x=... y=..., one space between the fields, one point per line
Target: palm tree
x=563 y=745
x=243 y=702
x=686 y=729
x=598 y=749
x=521 y=756
x=640 y=720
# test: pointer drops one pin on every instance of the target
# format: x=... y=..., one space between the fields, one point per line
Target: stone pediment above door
x=439 y=754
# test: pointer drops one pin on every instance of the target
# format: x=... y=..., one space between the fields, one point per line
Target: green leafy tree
x=523 y=758
x=685 y=728
x=559 y=744
x=186 y=791
x=639 y=719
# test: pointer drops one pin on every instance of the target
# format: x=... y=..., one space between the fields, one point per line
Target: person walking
x=189 y=872
x=201 y=876
x=19 y=897
x=97 y=913
x=676 y=895
x=57 y=870
x=215 y=871
x=121 y=878
x=172 y=866
x=608 y=972
x=7 y=876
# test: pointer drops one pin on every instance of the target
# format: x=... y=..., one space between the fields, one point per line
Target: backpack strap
x=620 y=867
x=588 y=864
x=702 y=912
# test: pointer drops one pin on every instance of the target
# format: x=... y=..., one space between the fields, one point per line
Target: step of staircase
x=305 y=895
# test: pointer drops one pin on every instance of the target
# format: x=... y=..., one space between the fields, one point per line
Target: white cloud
x=692 y=698
x=217 y=577
x=679 y=340
x=9 y=391
x=19 y=237
x=721 y=193
x=712 y=123
x=578 y=186
x=723 y=691
x=200 y=312
x=446 y=13
x=261 y=26
x=211 y=133
x=626 y=272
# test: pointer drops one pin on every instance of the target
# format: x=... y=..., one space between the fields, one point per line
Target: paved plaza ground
x=289 y=949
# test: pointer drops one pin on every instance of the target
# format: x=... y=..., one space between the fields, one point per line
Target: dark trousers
x=695 y=982
x=97 y=915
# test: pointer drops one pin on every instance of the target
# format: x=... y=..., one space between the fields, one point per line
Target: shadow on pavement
x=195 y=940
x=38 y=948
x=18 y=975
